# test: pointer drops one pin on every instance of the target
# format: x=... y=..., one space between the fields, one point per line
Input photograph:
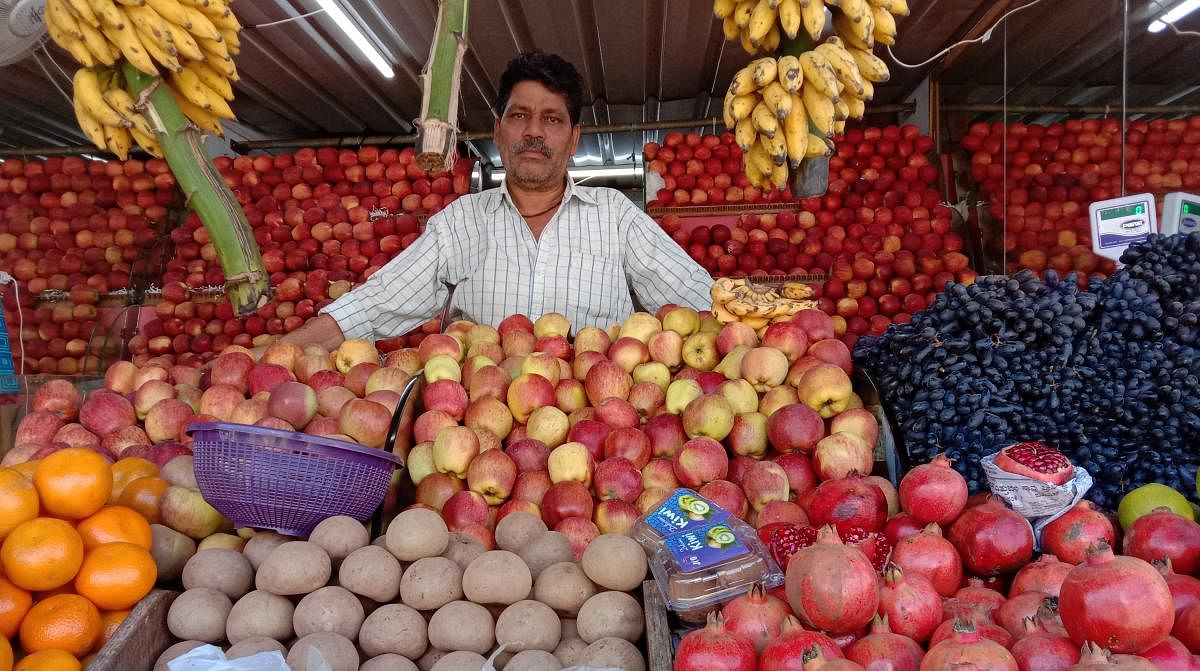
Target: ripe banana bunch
x=756 y=305
x=757 y=24
x=191 y=43
x=109 y=115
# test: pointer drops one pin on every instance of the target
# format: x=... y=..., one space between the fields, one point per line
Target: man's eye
x=553 y=119
x=516 y=115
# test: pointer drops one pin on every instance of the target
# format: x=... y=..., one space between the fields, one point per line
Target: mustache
x=532 y=144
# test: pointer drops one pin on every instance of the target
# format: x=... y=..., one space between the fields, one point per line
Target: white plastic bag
x=212 y=658
x=1039 y=502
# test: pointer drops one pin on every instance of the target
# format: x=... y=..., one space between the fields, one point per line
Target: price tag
x=1181 y=213
x=1120 y=222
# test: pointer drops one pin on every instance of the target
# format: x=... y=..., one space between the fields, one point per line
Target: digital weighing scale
x=1118 y=223
x=1181 y=213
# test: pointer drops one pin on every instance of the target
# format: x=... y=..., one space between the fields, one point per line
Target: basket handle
x=394 y=427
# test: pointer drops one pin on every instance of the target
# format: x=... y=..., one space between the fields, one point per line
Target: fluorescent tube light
x=356 y=36
x=1177 y=12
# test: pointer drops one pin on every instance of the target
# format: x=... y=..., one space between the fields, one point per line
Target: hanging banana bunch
x=760 y=25
x=190 y=43
x=756 y=305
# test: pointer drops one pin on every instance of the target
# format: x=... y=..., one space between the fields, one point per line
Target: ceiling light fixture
x=356 y=36
x=1177 y=12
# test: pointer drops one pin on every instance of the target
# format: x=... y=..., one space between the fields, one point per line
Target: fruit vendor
x=538 y=243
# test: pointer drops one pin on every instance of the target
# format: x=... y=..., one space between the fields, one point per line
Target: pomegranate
x=714 y=648
x=1044 y=575
x=1048 y=617
x=814 y=660
x=933 y=492
x=882 y=650
x=1170 y=655
x=755 y=616
x=983 y=625
x=1012 y=613
x=975 y=595
x=899 y=527
x=831 y=586
x=991 y=539
x=930 y=555
x=1162 y=533
x=1039 y=650
x=965 y=644
x=910 y=603
x=889 y=493
x=1069 y=536
x=1187 y=628
x=1036 y=460
x=1120 y=602
x=786 y=652
x=853 y=501
x=1185 y=590
x=1093 y=658
x=1134 y=663
x=872 y=544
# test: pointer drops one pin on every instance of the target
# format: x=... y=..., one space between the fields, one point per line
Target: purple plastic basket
x=287 y=481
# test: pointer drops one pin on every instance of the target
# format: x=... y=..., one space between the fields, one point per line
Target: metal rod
x=1069 y=109
x=1124 y=87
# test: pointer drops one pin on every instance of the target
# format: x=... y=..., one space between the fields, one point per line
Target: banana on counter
x=190 y=43
x=737 y=299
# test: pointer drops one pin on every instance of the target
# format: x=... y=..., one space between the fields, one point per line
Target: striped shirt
x=597 y=253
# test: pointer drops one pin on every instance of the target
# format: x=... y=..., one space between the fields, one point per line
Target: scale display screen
x=1126 y=211
x=1123 y=225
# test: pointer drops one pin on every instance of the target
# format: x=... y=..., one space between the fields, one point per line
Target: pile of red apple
x=76 y=226
x=1055 y=172
x=703 y=170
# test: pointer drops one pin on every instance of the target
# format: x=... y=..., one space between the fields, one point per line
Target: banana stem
x=441 y=79
x=206 y=193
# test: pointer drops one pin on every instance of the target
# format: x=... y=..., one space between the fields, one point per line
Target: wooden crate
x=141 y=638
x=659 y=651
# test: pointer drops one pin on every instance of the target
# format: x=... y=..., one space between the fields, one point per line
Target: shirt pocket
x=594 y=287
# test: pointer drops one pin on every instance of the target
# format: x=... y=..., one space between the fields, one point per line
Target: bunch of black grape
x=1108 y=375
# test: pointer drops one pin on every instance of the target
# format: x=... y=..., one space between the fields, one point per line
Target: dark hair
x=549 y=70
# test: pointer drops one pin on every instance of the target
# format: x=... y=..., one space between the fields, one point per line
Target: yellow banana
x=841 y=111
x=868 y=90
x=764 y=120
x=791 y=74
x=761 y=159
x=896 y=7
x=763 y=71
x=211 y=78
x=742 y=106
x=795 y=131
x=146 y=142
x=152 y=26
x=118 y=141
x=186 y=82
x=132 y=3
x=855 y=10
x=82 y=11
x=232 y=41
x=812 y=14
x=741 y=13
x=91 y=97
x=819 y=108
x=107 y=12
x=770 y=43
x=726 y=110
x=723 y=8
x=730 y=28
x=790 y=18
x=871 y=66
x=130 y=45
x=744 y=134
x=858 y=34
x=185 y=43
x=213 y=48
x=199 y=24
x=747 y=46
x=202 y=118
x=93 y=129
x=778 y=100
x=762 y=17
x=224 y=21
x=818 y=73
x=885 y=26
x=67 y=33
x=779 y=179
x=817 y=146
x=222 y=64
x=776 y=148
x=754 y=174
x=843 y=65
x=161 y=48
x=123 y=103
x=173 y=11
x=743 y=82
x=101 y=49
x=856 y=106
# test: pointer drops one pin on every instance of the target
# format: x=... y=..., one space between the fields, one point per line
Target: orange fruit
x=27 y=468
x=115 y=576
x=18 y=500
x=14 y=603
x=144 y=495
x=66 y=622
x=6 y=654
x=113 y=524
x=73 y=483
x=126 y=471
x=110 y=621
x=49 y=660
x=42 y=554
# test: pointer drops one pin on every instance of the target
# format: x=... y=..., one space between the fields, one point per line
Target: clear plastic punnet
x=684 y=509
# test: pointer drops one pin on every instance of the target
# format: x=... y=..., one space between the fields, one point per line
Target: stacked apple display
x=704 y=170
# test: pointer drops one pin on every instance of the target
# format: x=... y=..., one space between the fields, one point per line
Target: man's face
x=535 y=137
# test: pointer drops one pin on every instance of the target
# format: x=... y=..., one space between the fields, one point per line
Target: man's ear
x=575 y=132
x=496 y=131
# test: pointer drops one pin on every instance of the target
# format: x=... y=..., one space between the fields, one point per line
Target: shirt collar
x=573 y=190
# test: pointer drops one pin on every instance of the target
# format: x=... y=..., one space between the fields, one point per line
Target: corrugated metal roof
x=641 y=59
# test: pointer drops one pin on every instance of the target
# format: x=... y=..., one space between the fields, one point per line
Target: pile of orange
x=74 y=554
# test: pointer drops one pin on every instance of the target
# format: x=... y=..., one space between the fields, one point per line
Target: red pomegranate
x=1170 y=655
x=933 y=492
x=714 y=648
x=984 y=626
x=1162 y=533
x=853 y=501
x=1185 y=590
x=1069 y=536
x=786 y=652
x=899 y=527
x=1012 y=613
x=1121 y=602
x=965 y=644
x=1093 y=658
x=882 y=650
x=1187 y=628
x=1044 y=575
x=929 y=554
x=831 y=586
x=889 y=493
x=1134 y=663
x=1038 y=650
x=815 y=661
x=992 y=539
x=755 y=616
x=1036 y=460
x=1048 y=617
x=911 y=604
x=975 y=595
